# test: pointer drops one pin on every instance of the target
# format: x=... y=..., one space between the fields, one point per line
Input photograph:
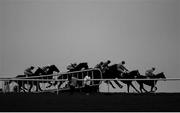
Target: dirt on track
x=79 y=102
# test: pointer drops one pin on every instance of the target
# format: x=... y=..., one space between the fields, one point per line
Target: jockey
x=105 y=65
x=71 y=66
x=99 y=66
x=28 y=71
x=122 y=68
x=45 y=68
x=149 y=72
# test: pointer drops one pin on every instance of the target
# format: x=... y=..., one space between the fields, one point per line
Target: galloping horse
x=79 y=67
x=131 y=75
x=21 y=83
x=113 y=73
x=50 y=71
x=151 y=83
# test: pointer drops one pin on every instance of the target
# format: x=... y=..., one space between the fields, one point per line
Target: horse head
x=134 y=74
x=38 y=72
x=54 y=68
x=85 y=65
x=81 y=66
x=160 y=75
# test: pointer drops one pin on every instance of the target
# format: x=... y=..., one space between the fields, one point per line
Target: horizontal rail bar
x=18 y=79
x=59 y=74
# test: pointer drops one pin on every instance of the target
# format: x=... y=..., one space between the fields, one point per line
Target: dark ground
x=78 y=102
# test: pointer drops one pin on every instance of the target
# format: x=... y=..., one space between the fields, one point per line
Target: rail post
x=3 y=87
x=92 y=77
x=108 y=85
x=57 y=89
x=18 y=87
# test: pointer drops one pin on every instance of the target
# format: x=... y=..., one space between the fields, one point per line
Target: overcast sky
x=144 y=33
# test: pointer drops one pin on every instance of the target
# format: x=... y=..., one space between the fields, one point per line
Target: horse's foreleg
x=112 y=84
x=152 y=87
x=59 y=85
x=134 y=88
x=155 y=88
x=24 y=88
x=50 y=84
x=142 y=88
x=38 y=86
x=120 y=86
x=128 y=88
x=31 y=85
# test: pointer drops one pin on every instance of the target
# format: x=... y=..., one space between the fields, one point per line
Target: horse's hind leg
x=50 y=84
x=128 y=88
x=112 y=84
x=142 y=88
x=120 y=86
x=152 y=87
x=31 y=85
x=134 y=88
x=38 y=86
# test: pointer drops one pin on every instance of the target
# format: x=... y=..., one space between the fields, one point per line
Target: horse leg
x=134 y=87
x=142 y=88
x=50 y=84
x=120 y=86
x=31 y=85
x=152 y=87
x=128 y=87
x=155 y=88
x=112 y=84
x=21 y=87
x=59 y=85
x=38 y=86
x=24 y=88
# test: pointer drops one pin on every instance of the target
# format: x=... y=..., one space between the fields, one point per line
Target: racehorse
x=50 y=70
x=151 y=83
x=131 y=75
x=112 y=73
x=21 y=83
x=37 y=73
x=81 y=66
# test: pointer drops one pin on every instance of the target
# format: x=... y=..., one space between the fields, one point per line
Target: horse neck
x=159 y=75
x=38 y=71
x=50 y=71
x=79 y=67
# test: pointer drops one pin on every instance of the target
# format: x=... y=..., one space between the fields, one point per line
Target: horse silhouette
x=111 y=73
x=131 y=75
x=80 y=66
x=151 y=83
x=21 y=83
x=50 y=70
